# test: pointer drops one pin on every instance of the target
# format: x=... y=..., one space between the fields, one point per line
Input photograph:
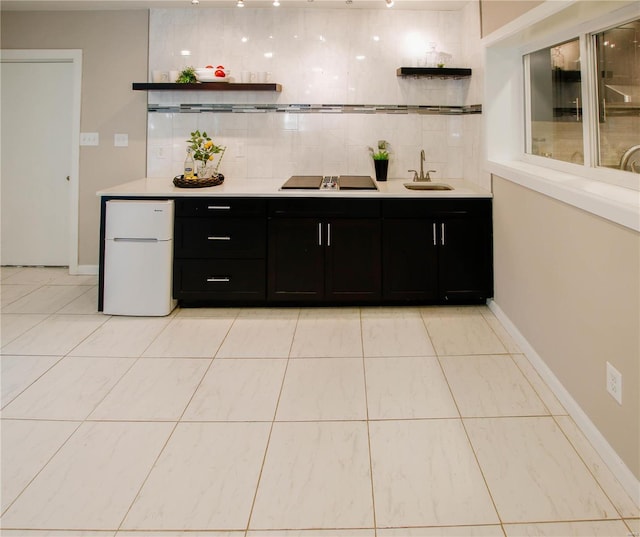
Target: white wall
x=314 y=58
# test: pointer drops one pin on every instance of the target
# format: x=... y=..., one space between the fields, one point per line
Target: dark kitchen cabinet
x=437 y=251
x=220 y=250
x=324 y=251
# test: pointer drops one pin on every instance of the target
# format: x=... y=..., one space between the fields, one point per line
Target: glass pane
x=618 y=55
x=556 y=102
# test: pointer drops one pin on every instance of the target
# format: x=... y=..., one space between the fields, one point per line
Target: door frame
x=73 y=56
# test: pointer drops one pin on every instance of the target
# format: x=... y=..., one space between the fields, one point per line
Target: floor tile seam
x=56 y=312
x=524 y=374
x=562 y=521
x=60 y=358
x=146 y=478
x=366 y=408
x=471 y=446
x=268 y=442
x=5 y=343
x=226 y=334
x=38 y=286
x=48 y=461
x=588 y=467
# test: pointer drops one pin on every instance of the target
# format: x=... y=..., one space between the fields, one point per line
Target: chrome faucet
x=423 y=176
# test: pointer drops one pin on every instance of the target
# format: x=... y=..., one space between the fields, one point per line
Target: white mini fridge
x=138 y=257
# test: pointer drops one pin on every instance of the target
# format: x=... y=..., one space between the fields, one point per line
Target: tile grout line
x=366 y=407
x=177 y=422
x=273 y=422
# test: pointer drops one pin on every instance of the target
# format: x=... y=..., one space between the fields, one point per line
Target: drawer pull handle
x=214 y=238
x=219 y=279
x=219 y=207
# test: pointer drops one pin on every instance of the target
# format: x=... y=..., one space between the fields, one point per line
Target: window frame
x=586 y=34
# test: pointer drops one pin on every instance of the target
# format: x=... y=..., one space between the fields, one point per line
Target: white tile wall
x=314 y=58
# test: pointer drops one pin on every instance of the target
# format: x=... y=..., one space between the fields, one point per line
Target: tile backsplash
x=319 y=56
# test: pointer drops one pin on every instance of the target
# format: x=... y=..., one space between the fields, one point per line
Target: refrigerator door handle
x=133 y=239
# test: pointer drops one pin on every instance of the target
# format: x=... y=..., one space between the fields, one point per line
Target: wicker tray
x=181 y=182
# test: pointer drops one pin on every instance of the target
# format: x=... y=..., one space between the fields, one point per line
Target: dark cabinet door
x=410 y=260
x=353 y=260
x=465 y=259
x=296 y=260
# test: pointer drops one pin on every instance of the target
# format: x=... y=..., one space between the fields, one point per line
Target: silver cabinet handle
x=320 y=234
x=214 y=238
x=328 y=234
x=442 y=231
x=219 y=279
x=434 y=234
x=219 y=207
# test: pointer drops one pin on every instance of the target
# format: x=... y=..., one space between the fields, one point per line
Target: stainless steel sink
x=427 y=185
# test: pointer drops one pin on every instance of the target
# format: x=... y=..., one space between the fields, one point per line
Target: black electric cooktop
x=341 y=182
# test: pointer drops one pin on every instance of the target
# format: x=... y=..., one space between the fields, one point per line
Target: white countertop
x=393 y=188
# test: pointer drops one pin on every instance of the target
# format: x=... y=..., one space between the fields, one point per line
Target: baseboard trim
x=86 y=270
x=627 y=479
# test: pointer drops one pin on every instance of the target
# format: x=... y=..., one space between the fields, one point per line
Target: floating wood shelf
x=434 y=72
x=205 y=86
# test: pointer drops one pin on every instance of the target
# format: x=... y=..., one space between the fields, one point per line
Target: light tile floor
x=351 y=422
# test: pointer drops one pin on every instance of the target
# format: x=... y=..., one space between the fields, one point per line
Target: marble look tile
x=27 y=445
x=533 y=472
x=323 y=389
x=204 y=479
x=18 y=372
x=13 y=325
x=11 y=293
x=58 y=533
x=330 y=332
x=158 y=389
x=315 y=475
x=260 y=333
x=207 y=312
x=238 y=390
x=460 y=331
x=501 y=332
x=47 y=299
x=634 y=525
x=425 y=474
x=400 y=388
x=85 y=304
x=122 y=336
x=593 y=528
x=191 y=337
x=48 y=276
x=598 y=468
x=6 y=272
x=313 y=533
x=490 y=385
x=541 y=388
x=92 y=480
x=394 y=332
x=70 y=390
x=56 y=335
x=443 y=531
x=186 y=533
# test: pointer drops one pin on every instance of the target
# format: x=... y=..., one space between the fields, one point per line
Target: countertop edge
x=270 y=188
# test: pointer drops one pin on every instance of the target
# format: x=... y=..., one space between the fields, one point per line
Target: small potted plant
x=381 y=159
x=203 y=150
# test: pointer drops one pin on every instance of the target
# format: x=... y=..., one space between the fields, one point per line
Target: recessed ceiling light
x=195 y=2
x=389 y=3
x=240 y=3
x=276 y=3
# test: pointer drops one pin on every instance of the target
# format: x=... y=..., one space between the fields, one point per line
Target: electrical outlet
x=89 y=138
x=121 y=140
x=614 y=383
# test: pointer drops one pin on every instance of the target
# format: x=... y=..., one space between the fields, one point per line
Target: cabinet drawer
x=434 y=208
x=324 y=208
x=220 y=237
x=224 y=279
x=220 y=207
